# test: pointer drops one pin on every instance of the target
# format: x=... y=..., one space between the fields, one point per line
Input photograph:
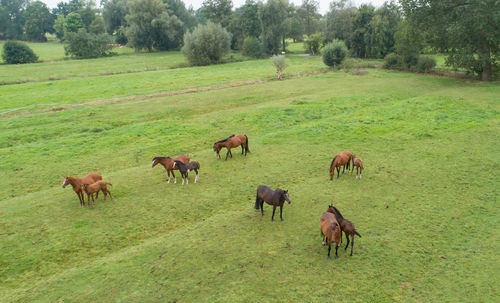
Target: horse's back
x=183 y=158
x=91 y=178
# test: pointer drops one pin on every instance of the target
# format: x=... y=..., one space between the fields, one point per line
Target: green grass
x=427 y=206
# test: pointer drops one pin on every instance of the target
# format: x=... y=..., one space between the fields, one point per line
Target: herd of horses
x=332 y=223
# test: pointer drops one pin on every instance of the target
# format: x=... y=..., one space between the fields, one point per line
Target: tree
x=11 y=19
x=273 y=16
x=360 y=24
x=468 y=31
x=334 y=53
x=314 y=42
x=97 y=26
x=218 y=11
x=379 y=38
x=15 y=52
x=38 y=21
x=150 y=24
x=87 y=45
x=252 y=47
x=72 y=23
x=249 y=19
x=280 y=62
x=206 y=44
x=339 y=21
x=308 y=12
x=59 y=27
x=409 y=43
x=114 y=12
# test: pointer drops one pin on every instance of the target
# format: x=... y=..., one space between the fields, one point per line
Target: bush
x=314 y=42
x=253 y=48
x=280 y=63
x=334 y=53
x=394 y=61
x=206 y=44
x=425 y=64
x=18 y=53
x=86 y=45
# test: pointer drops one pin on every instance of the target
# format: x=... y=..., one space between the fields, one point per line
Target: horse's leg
x=352 y=243
x=79 y=198
x=175 y=179
x=281 y=212
x=336 y=248
x=109 y=193
x=329 y=249
x=97 y=195
x=242 y=149
x=196 y=178
x=338 y=172
x=262 y=206
x=105 y=194
x=343 y=169
x=347 y=245
x=168 y=172
x=187 y=179
x=274 y=209
x=227 y=154
x=360 y=172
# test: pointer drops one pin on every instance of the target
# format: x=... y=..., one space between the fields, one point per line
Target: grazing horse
x=345 y=225
x=358 y=163
x=272 y=197
x=76 y=183
x=339 y=160
x=90 y=189
x=185 y=168
x=168 y=163
x=330 y=229
x=232 y=142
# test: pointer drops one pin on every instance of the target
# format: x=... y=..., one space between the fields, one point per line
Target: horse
x=76 y=183
x=90 y=189
x=168 y=163
x=232 y=142
x=185 y=168
x=358 y=163
x=345 y=225
x=330 y=229
x=272 y=197
x=343 y=159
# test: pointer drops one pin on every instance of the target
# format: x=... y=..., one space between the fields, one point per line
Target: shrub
x=252 y=47
x=425 y=64
x=15 y=52
x=86 y=45
x=334 y=53
x=206 y=44
x=314 y=42
x=394 y=61
x=280 y=63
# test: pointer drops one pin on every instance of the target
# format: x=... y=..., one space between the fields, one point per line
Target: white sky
x=324 y=5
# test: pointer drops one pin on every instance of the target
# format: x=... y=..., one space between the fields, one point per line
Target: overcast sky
x=323 y=4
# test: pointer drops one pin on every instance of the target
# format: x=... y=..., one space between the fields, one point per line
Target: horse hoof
x=282 y=220
x=329 y=258
x=336 y=257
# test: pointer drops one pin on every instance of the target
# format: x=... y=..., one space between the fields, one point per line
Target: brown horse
x=76 y=183
x=272 y=197
x=168 y=163
x=358 y=163
x=90 y=189
x=345 y=225
x=185 y=168
x=343 y=159
x=330 y=229
x=232 y=142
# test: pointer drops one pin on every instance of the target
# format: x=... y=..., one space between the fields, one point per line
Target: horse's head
x=286 y=197
x=65 y=182
x=156 y=160
x=217 y=148
x=331 y=209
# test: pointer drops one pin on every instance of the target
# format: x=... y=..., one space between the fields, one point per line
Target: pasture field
x=427 y=206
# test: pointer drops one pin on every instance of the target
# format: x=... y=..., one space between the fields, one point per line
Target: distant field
x=427 y=206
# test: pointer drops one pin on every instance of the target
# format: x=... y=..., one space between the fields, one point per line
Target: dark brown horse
x=168 y=163
x=77 y=183
x=358 y=163
x=330 y=229
x=185 y=168
x=272 y=197
x=345 y=225
x=232 y=142
x=343 y=159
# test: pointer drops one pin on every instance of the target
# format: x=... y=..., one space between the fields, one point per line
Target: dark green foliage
x=334 y=53
x=97 y=26
x=409 y=43
x=361 y=27
x=425 y=64
x=114 y=12
x=249 y=19
x=38 y=21
x=120 y=36
x=73 y=22
x=273 y=16
x=87 y=45
x=314 y=42
x=59 y=27
x=218 y=11
x=252 y=47
x=308 y=13
x=394 y=61
x=206 y=44
x=15 y=52
x=11 y=19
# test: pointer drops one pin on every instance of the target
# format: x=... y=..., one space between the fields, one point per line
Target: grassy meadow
x=427 y=206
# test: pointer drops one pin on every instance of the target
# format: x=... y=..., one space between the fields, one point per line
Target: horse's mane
x=338 y=212
x=222 y=141
x=160 y=158
x=333 y=161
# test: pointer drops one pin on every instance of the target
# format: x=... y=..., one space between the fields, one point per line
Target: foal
x=330 y=229
x=90 y=189
x=343 y=159
x=346 y=226
x=76 y=183
x=358 y=163
x=185 y=168
x=272 y=197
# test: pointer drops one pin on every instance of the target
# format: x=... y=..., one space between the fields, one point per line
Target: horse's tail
x=357 y=233
x=257 y=201
x=246 y=145
x=107 y=183
x=331 y=165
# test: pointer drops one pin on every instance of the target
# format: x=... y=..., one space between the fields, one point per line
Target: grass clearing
x=427 y=206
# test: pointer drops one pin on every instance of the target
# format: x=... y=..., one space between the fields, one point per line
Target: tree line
x=467 y=30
